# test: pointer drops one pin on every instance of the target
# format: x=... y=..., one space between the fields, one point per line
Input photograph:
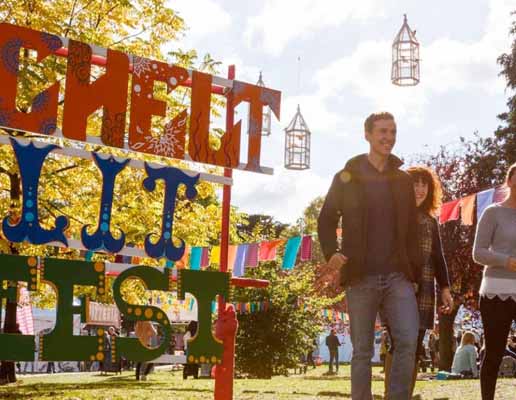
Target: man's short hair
x=369 y=122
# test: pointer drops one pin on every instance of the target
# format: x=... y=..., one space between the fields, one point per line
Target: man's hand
x=329 y=273
x=511 y=264
x=447 y=300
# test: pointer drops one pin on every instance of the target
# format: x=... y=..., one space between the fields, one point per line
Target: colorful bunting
x=291 y=250
x=467 y=209
x=449 y=211
x=306 y=248
x=252 y=255
x=239 y=268
x=268 y=250
x=484 y=199
x=195 y=258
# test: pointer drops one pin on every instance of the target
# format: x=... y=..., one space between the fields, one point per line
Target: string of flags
x=240 y=257
x=464 y=208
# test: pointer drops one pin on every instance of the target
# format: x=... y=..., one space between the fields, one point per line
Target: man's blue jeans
x=393 y=295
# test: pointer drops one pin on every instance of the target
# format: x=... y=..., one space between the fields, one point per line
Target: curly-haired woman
x=427 y=190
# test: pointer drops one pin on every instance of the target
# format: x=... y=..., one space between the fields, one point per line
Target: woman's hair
x=433 y=200
x=467 y=338
x=510 y=172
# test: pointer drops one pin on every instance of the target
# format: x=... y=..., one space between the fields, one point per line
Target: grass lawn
x=167 y=385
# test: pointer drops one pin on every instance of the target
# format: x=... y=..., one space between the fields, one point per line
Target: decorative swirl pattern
x=11 y=55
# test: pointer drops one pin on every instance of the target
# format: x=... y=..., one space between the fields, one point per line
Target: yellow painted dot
x=129 y=310
x=213 y=359
x=33 y=279
x=138 y=311
x=101 y=290
x=92 y=358
x=33 y=287
x=100 y=332
x=33 y=271
x=101 y=283
x=159 y=315
x=219 y=361
x=101 y=340
x=148 y=313
x=100 y=348
x=202 y=359
x=165 y=322
x=191 y=358
x=100 y=356
x=32 y=261
x=99 y=266
x=196 y=361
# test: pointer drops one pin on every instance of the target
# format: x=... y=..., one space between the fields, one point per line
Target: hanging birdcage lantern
x=267 y=113
x=297 y=143
x=405 y=57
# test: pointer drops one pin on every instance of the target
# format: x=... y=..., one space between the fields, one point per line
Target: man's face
x=382 y=137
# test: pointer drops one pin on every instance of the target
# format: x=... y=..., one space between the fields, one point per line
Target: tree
x=270 y=342
x=71 y=186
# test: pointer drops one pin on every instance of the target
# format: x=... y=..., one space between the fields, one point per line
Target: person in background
x=190 y=369
x=495 y=248
x=465 y=359
x=433 y=346
x=383 y=347
x=333 y=343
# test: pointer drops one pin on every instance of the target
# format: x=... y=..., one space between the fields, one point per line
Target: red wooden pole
x=227 y=323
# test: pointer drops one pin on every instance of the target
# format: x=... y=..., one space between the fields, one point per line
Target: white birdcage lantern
x=405 y=57
x=267 y=113
x=297 y=143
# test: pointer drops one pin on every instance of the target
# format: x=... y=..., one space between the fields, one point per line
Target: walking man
x=377 y=261
x=333 y=343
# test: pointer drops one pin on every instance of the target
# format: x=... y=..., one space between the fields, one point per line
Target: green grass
x=167 y=385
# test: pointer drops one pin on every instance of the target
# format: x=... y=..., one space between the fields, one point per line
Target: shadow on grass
x=344 y=395
x=31 y=391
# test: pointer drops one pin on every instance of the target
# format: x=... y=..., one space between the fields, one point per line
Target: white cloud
x=202 y=17
x=281 y=21
x=284 y=195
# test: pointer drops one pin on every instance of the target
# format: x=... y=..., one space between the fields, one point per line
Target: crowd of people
x=389 y=259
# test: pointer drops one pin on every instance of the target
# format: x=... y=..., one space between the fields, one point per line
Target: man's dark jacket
x=346 y=200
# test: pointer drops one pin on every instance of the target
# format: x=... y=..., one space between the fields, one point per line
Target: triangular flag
x=484 y=199
x=291 y=250
x=449 y=211
x=467 y=209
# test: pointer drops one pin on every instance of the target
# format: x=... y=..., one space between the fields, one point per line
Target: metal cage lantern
x=267 y=113
x=297 y=143
x=405 y=57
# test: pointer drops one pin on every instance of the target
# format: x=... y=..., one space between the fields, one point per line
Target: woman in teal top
x=465 y=360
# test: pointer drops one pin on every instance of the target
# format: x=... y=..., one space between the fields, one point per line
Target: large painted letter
x=132 y=348
x=204 y=286
x=61 y=344
x=82 y=98
x=173 y=177
x=199 y=149
x=15 y=269
x=257 y=97
x=171 y=143
x=30 y=160
x=43 y=112
x=102 y=238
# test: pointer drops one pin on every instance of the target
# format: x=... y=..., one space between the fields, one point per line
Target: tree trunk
x=446 y=339
x=7 y=369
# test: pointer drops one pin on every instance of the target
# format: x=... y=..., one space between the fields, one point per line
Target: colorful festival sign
x=126 y=124
x=82 y=97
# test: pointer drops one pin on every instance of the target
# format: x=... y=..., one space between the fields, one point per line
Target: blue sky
x=345 y=50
